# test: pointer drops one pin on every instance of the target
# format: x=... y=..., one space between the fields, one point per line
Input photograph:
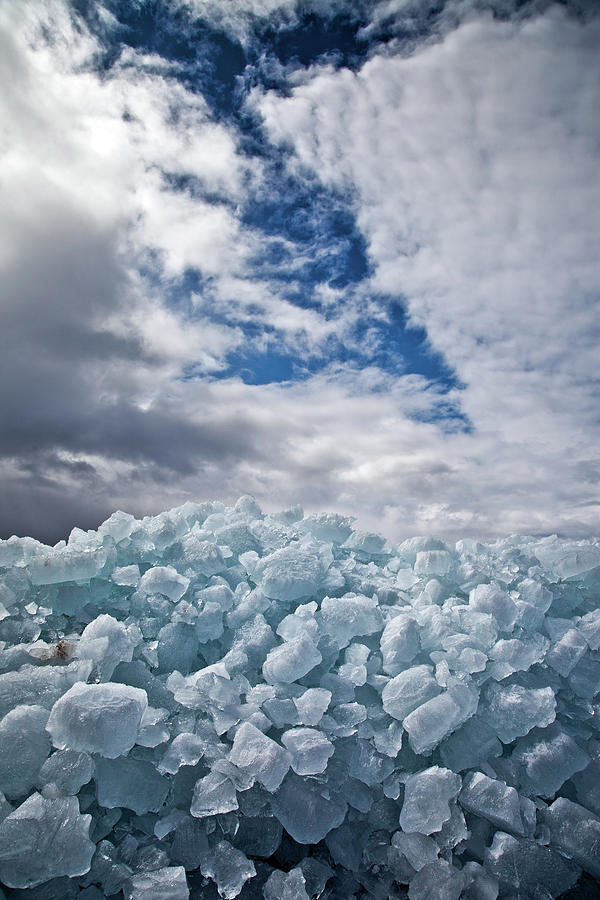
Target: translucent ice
x=513 y=710
x=44 y=839
x=291 y=660
x=24 y=745
x=229 y=868
x=492 y=800
x=309 y=748
x=427 y=797
x=169 y=883
x=271 y=697
x=408 y=690
x=308 y=810
x=98 y=718
x=258 y=755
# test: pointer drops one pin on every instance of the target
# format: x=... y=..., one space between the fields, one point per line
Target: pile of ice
x=216 y=702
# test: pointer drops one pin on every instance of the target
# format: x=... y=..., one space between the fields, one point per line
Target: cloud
x=470 y=168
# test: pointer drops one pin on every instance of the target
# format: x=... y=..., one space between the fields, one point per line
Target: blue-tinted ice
x=215 y=701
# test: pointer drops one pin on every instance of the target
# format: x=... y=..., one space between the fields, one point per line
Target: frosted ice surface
x=310 y=750
x=311 y=705
x=408 y=690
x=98 y=718
x=399 y=644
x=185 y=750
x=229 y=868
x=66 y=565
x=470 y=744
x=66 y=771
x=164 y=580
x=548 y=757
x=419 y=849
x=291 y=573
x=575 y=831
x=130 y=782
x=489 y=598
x=432 y=562
x=431 y=722
x=258 y=755
x=291 y=660
x=350 y=616
x=214 y=794
x=437 y=881
x=31 y=685
x=529 y=868
x=44 y=839
x=492 y=800
x=286 y=886
x=308 y=810
x=427 y=797
x=24 y=745
x=107 y=642
x=564 y=655
x=169 y=883
x=512 y=710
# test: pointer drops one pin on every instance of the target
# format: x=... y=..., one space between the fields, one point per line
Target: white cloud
x=473 y=164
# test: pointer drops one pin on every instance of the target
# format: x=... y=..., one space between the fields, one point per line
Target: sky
x=336 y=253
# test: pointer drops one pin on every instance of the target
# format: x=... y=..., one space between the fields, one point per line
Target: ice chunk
x=286 y=886
x=67 y=771
x=311 y=705
x=309 y=748
x=214 y=794
x=567 y=652
x=292 y=572
x=169 y=883
x=399 y=644
x=437 y=881
x=291 y=660
x=185 y=750
x=432 y=562
x=489 y=598
x=492 y=800
x=67 y=565
x=43 y=839
x=434 y=720
x=587 y=786
x=98 y=718
x=549 y=758
x=129 y=782
x=228 y=867
x=164 y=580
x=419 y=849
x=512 y=710
x=567 y=560
x=575 y=831
x=527 y=869
x=365 y=542
x=308 y=810
x=24 y=745
x=107 y=642
x=126 y=576
x=350 y=616
x=584 y=677
x=508 y=656
x=202 y=556
x=408 y=690
x=32 y=685
x=469 y=745
x=427 y=797
x=256 y=754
